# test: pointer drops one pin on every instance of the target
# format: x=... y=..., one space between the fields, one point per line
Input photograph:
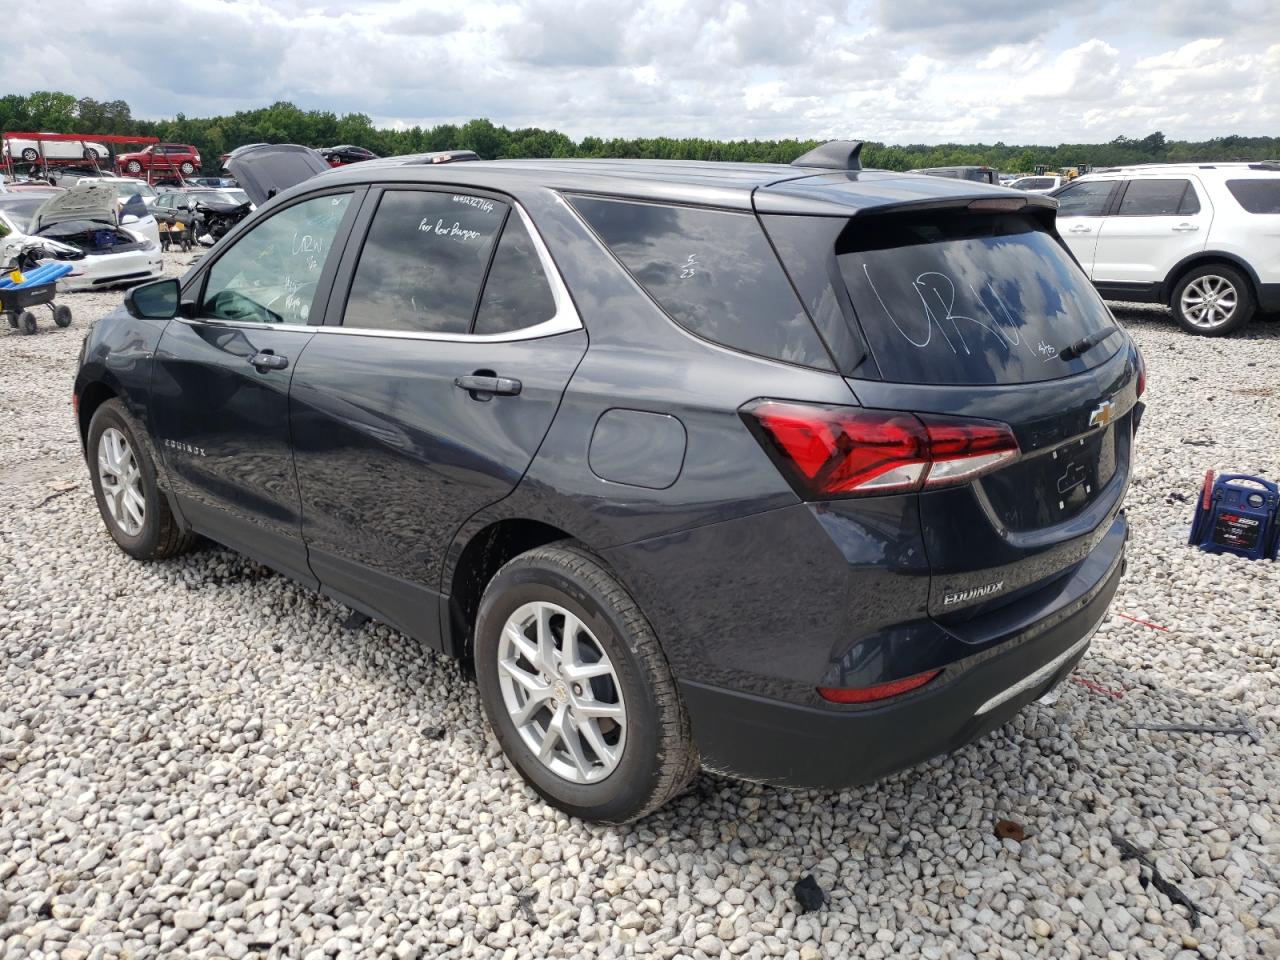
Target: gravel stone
x=198 y=759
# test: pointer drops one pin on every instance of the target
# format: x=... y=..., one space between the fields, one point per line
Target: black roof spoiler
x=832 y=155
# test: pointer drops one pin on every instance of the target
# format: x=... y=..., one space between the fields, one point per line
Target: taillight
x=1142 y=373
x=881 y=691
x=850 y=452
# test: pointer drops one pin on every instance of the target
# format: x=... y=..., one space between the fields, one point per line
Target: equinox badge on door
x=1102 y=414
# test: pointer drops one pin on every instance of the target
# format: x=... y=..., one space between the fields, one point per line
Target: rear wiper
x=1085 y=344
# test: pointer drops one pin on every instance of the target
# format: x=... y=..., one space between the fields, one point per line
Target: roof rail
x=446 y=156
x=832 y=155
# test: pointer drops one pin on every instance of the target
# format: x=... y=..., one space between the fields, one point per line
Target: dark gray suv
x=801 y=473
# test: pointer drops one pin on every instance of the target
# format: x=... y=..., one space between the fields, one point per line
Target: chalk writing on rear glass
x=937 y=294
x=690 y=267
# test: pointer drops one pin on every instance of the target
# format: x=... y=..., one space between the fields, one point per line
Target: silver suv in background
x=1202 y=238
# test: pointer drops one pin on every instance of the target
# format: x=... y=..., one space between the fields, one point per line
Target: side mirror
x=157 y=300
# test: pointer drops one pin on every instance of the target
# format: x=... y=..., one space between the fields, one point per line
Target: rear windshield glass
x=713 y=272
x=1257 y=196
x=971 y=300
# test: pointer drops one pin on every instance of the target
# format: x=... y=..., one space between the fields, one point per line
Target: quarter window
x=269 y=275
x=1087 y=199
x=424 y=262
x=1257 y=196
x=1159 y=198
x=713 y=272
x=516 y=293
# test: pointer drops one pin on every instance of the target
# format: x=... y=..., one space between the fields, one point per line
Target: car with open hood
x=109 y=244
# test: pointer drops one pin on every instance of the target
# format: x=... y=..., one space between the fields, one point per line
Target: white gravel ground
x=196 y=760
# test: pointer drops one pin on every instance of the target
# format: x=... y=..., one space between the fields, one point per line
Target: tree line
x=283 y=122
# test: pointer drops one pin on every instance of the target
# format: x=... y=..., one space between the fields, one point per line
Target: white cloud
x=893 y=70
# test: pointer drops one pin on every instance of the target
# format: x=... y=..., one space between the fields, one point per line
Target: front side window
x=424 y=262
x=1159 y=198
x=269 y=274
x=1087 y=199
x=713 y=272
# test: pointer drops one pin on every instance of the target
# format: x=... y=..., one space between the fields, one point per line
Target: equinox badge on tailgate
x=962 y=595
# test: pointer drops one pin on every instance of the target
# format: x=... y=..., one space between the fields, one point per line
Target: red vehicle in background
x=161 y=158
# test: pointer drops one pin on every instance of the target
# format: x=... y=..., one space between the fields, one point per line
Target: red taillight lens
x=1142 y=373
x=881 y=691
x=846 y=451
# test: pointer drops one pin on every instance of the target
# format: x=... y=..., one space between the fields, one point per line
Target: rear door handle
x=1186 y=228
x=266 y=360
x=481 y=386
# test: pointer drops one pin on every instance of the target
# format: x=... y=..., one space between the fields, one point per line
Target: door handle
x=1185 y=228
x=1080 y=228
x=483 y=384
x=266 y=360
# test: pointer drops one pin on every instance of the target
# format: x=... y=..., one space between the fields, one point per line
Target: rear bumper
x=1269 y=297
x=819 y=747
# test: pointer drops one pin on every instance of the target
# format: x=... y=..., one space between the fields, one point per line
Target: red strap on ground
x=1145 y=623
x=1098 y=688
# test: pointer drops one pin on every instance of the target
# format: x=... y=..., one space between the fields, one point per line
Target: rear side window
x=1256 y=196
x=971 y=299
x=1087 y=199
x=424 y=261
x=1159 y=198
x=713 y=272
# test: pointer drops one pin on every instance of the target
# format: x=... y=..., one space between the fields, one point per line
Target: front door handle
x=1186 y=228
x=1080 y=228
x=266 y=360
x=483 y=385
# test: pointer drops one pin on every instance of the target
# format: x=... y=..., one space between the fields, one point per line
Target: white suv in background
x=1203 y=238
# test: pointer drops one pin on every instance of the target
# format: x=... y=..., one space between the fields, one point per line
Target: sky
x=895 y=71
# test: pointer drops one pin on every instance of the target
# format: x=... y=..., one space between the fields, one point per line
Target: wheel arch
x=92 y=396
x=1202 y=259
x=473 y=560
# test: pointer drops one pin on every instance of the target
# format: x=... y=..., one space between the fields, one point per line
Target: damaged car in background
x=109 y=243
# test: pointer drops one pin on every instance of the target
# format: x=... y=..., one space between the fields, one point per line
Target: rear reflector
x=881 y=691
x=1142 y=373
x=851 y=452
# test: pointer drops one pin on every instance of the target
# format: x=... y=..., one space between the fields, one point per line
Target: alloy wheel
x=120 y=477
x=562 y=693
x=1209 y=301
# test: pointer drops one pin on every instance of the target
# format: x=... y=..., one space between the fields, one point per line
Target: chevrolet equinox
x=798 y=473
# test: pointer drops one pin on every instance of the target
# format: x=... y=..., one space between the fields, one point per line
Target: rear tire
x=1212 y=300
x=27 y=322
x=145 y=527
x=30 y=155
x=187 y=168
x=655 y=758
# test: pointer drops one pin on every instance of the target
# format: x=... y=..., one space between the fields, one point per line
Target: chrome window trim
x=564 y=320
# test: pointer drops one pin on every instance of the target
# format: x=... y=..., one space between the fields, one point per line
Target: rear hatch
x=975 y=311
x=265 y=169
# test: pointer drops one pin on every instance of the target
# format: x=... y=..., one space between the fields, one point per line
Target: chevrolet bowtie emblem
x=1102 y=414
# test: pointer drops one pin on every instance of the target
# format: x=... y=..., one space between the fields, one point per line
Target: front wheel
x=135 y=511
x=577 y=690
x=1212 y=301
x=133 y=167
x=27 y=322
x=62 y=315
x=30 y=155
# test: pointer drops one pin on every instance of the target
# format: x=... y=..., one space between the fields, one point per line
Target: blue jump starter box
x=1239 y=514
